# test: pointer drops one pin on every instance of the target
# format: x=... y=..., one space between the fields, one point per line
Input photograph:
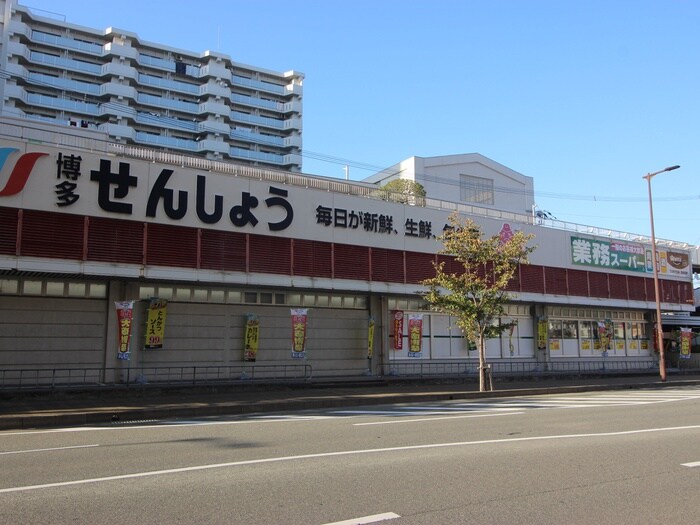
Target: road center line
x=339 y=453
x=694 y=464
x=45 y=449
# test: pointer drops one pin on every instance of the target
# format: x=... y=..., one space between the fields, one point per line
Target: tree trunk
x=485 y=384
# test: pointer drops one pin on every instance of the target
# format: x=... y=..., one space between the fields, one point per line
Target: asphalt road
x=615 y=457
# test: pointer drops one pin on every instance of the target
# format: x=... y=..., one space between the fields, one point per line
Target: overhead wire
x=157 y=120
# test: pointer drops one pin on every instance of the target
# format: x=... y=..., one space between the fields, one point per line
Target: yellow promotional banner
x=686 y=336
x=125 y=317
x=370 y=338
x=415 y=335
x=299 y=318
x=155 y=323
x=541 y=334
x=605 y=335
x=252 y=337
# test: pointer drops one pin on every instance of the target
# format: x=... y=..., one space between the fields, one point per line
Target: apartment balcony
x=293 y=89
x=61 y=104
x=255 y=102
x=168 y=85
x=16 y=71
x=118 y=131
x=270 y=158
x=212 y=107
x=292 y=107
x=258 y=85
x=216 y=69
x=292 y=159
x=63 y=84
x=62 y=42
x=118 y=69
x=213 y=146
x=65 y=63
x=161 y=141
x=119 y=50
x=15 y=27
x=257 y=138
x=15 y=92
x=293 y=141
x=120 y=91
x=17 y=49
x=117 y=110
x=168 y=103
x=215 y=89
x=259 y=121
x=292 y=123
x=158 y=121
x=157 y=63
x=214 y=126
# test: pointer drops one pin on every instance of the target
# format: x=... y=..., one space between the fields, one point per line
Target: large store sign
x=101 y=185
x=631 y=257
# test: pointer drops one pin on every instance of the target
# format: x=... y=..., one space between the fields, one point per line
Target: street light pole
x=659 y=334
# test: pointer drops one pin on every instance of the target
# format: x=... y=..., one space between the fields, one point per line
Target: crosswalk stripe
x=532 y=403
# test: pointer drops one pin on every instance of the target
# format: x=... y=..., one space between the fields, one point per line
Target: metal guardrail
x=508 y=369
x=42 y=379
x=67 y=378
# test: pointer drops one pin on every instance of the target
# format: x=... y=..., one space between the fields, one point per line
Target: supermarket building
x=326 y=272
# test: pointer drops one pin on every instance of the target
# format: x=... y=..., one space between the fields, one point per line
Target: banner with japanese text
x=686 y=336
x=299 y=318
x=125 y=316
x=541 y=334
x=155 y=323
x=252 y=337
x=415 y=335
x=613 y=255
x=605 y=329
x=398 y=330
x=370 y=338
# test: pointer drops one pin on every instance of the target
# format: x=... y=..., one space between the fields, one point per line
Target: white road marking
x=44 y=449
x=339 y=453
x=367 y=519
x=166 y=424
x=396 y=421
x=691 y=465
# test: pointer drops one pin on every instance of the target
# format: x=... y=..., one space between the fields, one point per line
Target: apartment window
x=477 y=190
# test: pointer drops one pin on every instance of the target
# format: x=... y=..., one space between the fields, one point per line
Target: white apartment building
x=148 y=94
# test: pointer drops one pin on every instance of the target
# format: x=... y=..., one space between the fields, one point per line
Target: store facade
x=300 y=273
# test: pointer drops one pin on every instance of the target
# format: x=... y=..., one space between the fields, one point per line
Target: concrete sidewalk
x=70 y=408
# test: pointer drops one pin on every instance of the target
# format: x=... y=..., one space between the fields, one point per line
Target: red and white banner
x=398 y=330
x=125 y=317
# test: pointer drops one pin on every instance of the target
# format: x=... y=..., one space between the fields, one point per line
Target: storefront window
x=570 y=329
x=554 y=330
x=586 y=330
x=619 y=331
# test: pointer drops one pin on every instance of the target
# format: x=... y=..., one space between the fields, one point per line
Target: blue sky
x=586 y=97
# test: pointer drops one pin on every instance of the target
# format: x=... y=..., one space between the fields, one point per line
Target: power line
x=157 y=120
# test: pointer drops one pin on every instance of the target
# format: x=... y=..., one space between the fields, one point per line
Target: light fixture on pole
x=659 y=333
